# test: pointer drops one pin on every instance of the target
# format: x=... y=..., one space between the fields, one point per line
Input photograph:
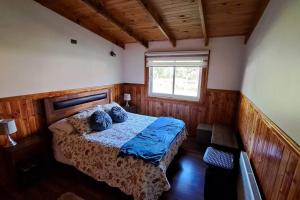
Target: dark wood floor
x=186 y=176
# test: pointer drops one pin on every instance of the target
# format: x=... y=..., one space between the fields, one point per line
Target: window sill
x=174 y=99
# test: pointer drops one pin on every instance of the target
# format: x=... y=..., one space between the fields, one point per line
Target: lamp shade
x=127 y=97
x=7 y=126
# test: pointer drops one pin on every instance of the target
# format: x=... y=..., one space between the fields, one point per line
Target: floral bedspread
x=96 y=155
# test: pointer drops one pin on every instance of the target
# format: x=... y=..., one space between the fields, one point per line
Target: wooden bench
x=224 y=137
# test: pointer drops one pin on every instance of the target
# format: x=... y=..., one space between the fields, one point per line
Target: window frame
x=174 y=96
x=203 y=88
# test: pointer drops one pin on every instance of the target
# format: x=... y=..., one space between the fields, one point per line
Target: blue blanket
x=153 y=142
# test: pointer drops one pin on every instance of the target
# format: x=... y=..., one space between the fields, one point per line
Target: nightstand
x=25 y=162
x=132 y=109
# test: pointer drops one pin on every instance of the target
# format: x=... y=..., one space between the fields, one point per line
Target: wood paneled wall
x=28 y=110
x=274 y=156
x=218 y=106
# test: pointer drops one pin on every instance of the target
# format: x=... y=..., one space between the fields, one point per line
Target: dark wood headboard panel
x=64 y=106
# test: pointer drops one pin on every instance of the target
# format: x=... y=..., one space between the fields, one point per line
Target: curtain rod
x=177 y=53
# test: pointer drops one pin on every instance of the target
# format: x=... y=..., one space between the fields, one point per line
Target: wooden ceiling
x=127 y=21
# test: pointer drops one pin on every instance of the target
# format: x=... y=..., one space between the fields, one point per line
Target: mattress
x=96 y=155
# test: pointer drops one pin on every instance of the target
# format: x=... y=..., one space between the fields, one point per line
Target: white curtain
x=177 y=59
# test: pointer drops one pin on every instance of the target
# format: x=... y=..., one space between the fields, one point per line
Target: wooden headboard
x=64 y=106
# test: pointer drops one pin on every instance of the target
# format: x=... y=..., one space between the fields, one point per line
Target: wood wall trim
x=42 y=95
x=274 y=156
x=223 y=90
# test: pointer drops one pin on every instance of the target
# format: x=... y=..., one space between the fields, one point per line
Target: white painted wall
x=226 y=60
x=272 y=68
x=36 y=54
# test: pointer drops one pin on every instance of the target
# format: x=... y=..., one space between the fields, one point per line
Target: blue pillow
x=118 y=114
x=100 y=121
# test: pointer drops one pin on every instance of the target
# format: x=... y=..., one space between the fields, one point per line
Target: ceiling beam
x=203 y=22
x=148 y=7
x=261 y=8
x=97 y=30
x=100 y=32
x=100 y=9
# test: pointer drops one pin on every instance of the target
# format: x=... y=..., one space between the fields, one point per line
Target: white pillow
x=80 y=121
x=108 y=107
x=62 y=126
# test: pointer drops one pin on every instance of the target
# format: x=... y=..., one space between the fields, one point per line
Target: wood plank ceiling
x=128 y=21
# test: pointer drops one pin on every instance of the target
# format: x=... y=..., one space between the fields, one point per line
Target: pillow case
x=100 y=121
x=62 y=127
x=80 y=121
x=118 y=114
x=108 y=107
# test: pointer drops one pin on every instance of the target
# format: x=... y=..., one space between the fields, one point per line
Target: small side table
x=26 y=161
x=132 y=109
x=203 y=135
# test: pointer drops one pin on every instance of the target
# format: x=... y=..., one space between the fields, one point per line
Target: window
x=177 y=76
x=176 y=82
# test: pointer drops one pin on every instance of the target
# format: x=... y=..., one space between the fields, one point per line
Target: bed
x=97 y=154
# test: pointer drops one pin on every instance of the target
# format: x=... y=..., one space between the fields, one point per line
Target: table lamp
x=127 y=98
x=8 y=127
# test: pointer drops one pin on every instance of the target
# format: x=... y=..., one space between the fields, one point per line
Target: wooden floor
x=185 y=174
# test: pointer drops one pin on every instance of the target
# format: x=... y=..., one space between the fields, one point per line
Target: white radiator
x=247 y=186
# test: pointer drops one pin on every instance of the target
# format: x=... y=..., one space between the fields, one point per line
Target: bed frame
x=64 y=106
